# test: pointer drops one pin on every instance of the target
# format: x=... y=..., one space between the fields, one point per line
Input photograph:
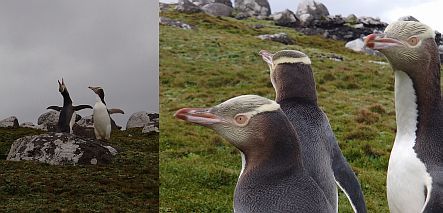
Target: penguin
x=68 y=115
x=101 y=115
x=273 y=177
x=415 y=170
x=292 y=78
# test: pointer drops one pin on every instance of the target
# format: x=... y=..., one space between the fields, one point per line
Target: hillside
x=218 y=60
x=128 y=184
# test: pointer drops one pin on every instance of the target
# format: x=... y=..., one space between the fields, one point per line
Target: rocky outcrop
x=31 y=125
x=202 y=3
x=408 y=18
x=175 y=23
x=185 y=6
x=217 y=9
x=61 y=149
x=285 y=18
x=48 y=120
x=310 y=10
x=252 y=8
x=10 y=122
x=279 y=37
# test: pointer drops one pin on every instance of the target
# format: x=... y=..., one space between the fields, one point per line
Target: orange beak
x=200 y=116
x=378 y=42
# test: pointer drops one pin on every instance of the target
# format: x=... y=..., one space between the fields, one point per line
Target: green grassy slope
x=129 y=184
x=220 y=60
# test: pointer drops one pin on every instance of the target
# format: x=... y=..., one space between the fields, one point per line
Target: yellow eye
x=413 y=41
x=241 y=119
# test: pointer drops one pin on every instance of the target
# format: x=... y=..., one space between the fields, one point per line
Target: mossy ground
x=219 y=60
x=129 y=184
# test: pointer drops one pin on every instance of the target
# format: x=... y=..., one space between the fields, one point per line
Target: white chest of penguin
x=102 y=121
x=408 y=179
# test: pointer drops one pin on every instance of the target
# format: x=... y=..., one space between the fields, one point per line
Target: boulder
x=253 y=8
x=308 y=10
x=408 y=18
x=175 y=23
x=372 y=22
x=48 y=120
x=217 y=9
x=89 y=122
x=10 y=122
x=31 y=125
x=185 y=6
x=202 y=3
x=61 y=149
x=150 y=128
x=358 y=45
x=351 y=19
x=138 y=120
x=279 y=37
x=285 y=18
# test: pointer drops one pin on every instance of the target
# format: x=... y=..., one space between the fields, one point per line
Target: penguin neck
x=101 y=99
x=294 y=82
x=66 y=98
x=281 y=156
x=417 y=101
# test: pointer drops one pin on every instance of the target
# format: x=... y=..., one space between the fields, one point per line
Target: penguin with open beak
x=68 y=115
x=273 y=177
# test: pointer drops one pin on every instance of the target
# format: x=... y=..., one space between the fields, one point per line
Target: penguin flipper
x=56 y=108
x=80 y=107
x=113 y=111
x=347 y=181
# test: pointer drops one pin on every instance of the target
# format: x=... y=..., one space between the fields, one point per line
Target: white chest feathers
x=102 y=121
x=408 y=179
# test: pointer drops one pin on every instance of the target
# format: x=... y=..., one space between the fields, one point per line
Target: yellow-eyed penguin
x=415 y=170
x=273 y=178
x=68 y=116
x=101 y=115
x=292 y=78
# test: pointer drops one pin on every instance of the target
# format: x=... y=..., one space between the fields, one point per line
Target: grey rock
x=279 y=37
x=164 y=7
x=253 y=8
x=408 y=18
x=61 y=149
x=202 y=3
x=352 y=19
x=285 y=18
x=185 y=6
x=372 y=22
x=150 y=128
x=309 y=10
x=138 y=120
x=9 y=122
x=175 y=23
x=217 y=9
x=48 y=120
x=31 y=125
x=358 y=45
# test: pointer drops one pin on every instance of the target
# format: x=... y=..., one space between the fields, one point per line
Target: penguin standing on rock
x=68 y=115
x=415 y=170
x=101 y=115
x=294 y=84
x=273 y=178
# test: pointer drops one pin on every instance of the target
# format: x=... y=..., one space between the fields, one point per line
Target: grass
x=219 y=60
x=129 y=184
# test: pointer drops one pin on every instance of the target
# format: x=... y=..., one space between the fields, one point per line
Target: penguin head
x=244 y=120
x=291 y=74
x=100 y=93
x=61 y=86
x=408 y=45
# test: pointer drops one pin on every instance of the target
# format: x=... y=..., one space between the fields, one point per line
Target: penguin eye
x=241 y=119
x=413 y=41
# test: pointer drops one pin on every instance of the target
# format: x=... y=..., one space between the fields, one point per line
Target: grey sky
x=427 y=11
x=107 y=43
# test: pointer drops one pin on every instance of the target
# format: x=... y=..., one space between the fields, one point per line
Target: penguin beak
x=267 y=56
x=378 y=41
x=200 y=116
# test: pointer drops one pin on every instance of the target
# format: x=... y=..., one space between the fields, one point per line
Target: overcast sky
x=107 y=43
x=427 y=11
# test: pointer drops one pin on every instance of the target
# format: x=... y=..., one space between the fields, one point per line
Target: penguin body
x=68 y=115
x=294 y=85
x=415 y=171
x=273 y=177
